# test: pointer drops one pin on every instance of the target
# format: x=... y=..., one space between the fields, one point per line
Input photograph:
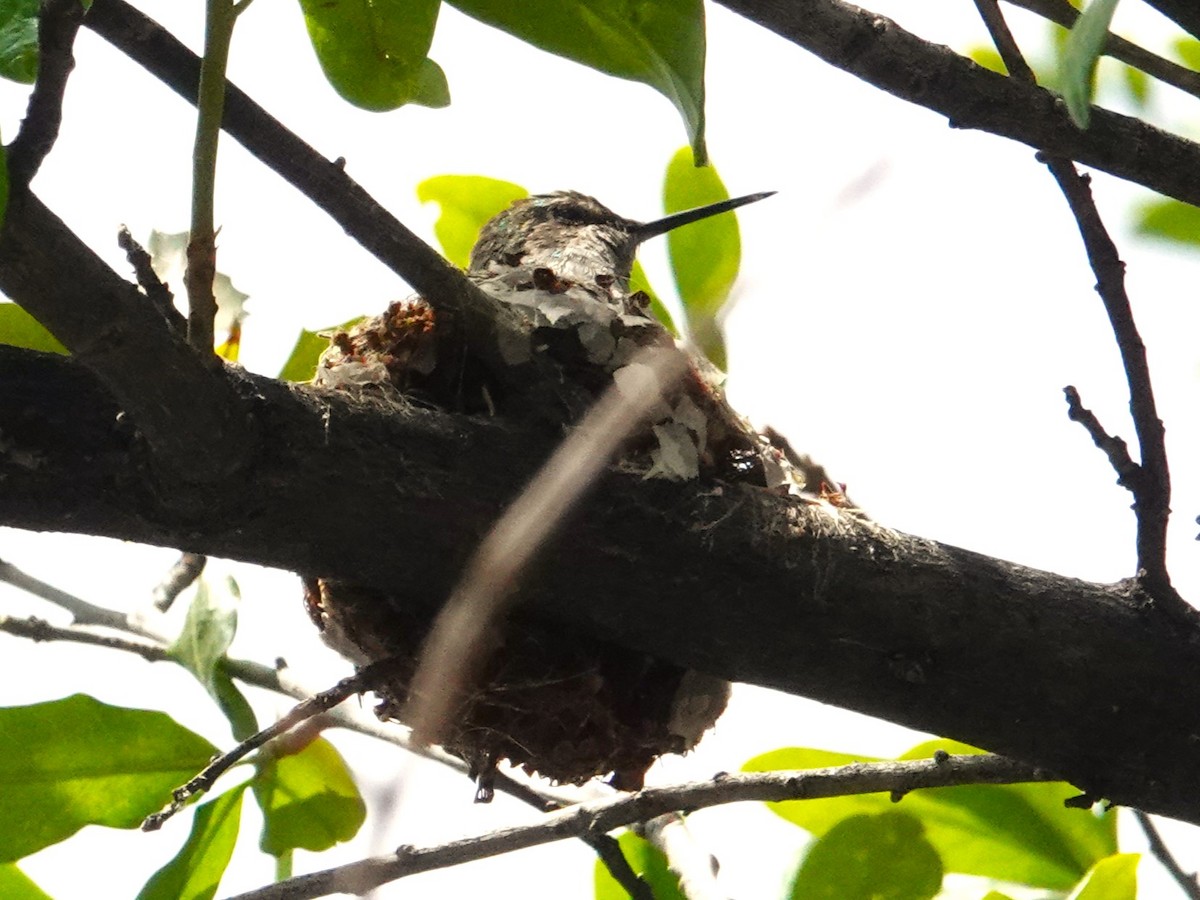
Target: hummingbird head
x=575 y=236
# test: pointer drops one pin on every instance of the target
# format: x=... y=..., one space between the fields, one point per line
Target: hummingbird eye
x=572 y=215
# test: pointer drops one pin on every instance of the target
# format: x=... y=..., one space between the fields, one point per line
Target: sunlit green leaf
x=1137 y=85
x=1169 y=219
x=1113 y=878
x=883 y=857
x=1020 y=833
x=301 y=363
x=1077 y=64
x=19 y=40
x=657 y=42
x=309 y=800
x=647 y=862
x=196 y=870
x=1187 y=50
x=466 y=202
x=19 y=329
x=374 y=51
x=202 y=644
x=639 y=282
x=987 y=57
x=706 y=255
x=77 y=761
x=16 y=885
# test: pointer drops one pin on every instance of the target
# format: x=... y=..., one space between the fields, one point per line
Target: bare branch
x=156 y=292
x=58 y=24
x=1150 y=481
x=882 y=53
x=40 y=630
x=601 y=816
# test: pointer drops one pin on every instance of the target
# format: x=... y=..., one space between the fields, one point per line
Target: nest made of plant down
x=563 y=705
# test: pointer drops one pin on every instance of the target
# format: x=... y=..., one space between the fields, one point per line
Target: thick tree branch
x=1076 y=677
x=600 y=816
x=877 y=50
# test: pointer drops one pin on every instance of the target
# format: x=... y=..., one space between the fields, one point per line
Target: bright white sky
x=911 y=305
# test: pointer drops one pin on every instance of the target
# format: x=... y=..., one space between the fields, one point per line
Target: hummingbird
x=568 y=251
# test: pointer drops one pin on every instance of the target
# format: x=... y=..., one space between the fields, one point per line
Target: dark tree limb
x=877 y=50
x=1076 y=677
x=1183 y=13
x=58 y=23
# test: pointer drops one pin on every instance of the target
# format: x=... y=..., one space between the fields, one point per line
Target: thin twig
x=57 y=26
x=182 y=573
x=1114 y=447
x=82 y=612
x=1150 y=483
x=1166 y=71
x=456 y=645
x=360 y=681
x=40 y=630
x=157 y=292
x=608 y=849
x=598 y=817
x=1006 y=44
x=1186 y=880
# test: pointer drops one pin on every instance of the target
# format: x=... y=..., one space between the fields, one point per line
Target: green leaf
x=301 y=364
x=467 y=202
x=988 y=57
x=16 y=885
x=19 y=329
x=1020 y=833
x=309 y=800
x=1137 y=85
x=657 y=42
x=648 y=862
x=19 y=40
x=77 y=761
x=1113 y=878
x=207 y=632
x=1168 y=219
x=196 y=870
x=1187 y=50
x=884 y=857
x=706 y=255
x=201 y=646
x=1077 y=64
x=639 y=282
x=374 y=51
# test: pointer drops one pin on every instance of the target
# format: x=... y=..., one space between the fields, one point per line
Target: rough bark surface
x=1077 y=677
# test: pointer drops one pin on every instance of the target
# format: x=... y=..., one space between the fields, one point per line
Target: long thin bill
x=687 y=217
